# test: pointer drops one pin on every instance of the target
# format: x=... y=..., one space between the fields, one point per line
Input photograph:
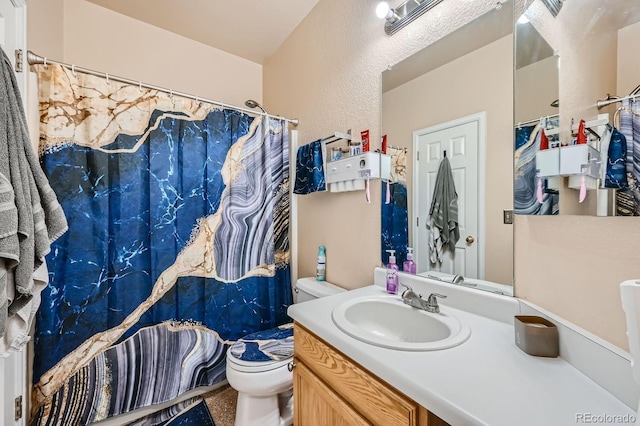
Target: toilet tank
x=309 y=288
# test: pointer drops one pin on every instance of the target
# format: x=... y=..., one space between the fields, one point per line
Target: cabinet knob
x=291 y=366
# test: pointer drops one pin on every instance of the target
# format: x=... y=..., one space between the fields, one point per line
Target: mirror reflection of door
x=460 y=140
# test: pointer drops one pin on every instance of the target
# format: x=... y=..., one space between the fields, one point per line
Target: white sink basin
x=387 y=322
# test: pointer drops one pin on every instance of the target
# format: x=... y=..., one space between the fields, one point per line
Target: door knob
x=470 y=239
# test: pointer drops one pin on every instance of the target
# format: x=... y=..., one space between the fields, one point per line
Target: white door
x=13 y=373
x=463 y=142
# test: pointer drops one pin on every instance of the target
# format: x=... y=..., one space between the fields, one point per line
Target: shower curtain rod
x=605 y=102
x=34 y=59
x=536 y=120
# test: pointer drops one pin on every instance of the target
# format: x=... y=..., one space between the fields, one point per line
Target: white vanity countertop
x=486 y=380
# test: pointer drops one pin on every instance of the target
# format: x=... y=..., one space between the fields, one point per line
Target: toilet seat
x=262 y=351
x=254 y=367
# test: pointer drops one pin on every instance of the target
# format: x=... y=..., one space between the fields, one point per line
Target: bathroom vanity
x=485 y=380
x=332 y=389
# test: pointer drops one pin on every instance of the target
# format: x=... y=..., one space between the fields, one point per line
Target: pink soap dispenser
x=392 y=273
x=409 y=266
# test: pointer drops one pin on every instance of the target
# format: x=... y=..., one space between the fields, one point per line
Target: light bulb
x=383 y=10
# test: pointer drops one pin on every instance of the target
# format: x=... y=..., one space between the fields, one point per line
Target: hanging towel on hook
x=310 y=169
x=444 y=211
x=30 y=216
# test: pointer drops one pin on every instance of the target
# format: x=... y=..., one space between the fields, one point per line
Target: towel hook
x=445 y=153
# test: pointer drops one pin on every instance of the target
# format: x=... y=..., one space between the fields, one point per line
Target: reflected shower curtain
x=394 y=213
x=177 y=244
x=628 y=200
x=527 y=143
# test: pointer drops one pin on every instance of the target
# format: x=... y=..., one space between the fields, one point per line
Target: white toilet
x=257 y=367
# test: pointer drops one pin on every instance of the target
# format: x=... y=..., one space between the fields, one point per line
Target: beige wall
x=536 y=86
x=573 y=266
x=628 y=61
x=327 y=73
x=452 y=91
x=45 y=21
x=90 y=36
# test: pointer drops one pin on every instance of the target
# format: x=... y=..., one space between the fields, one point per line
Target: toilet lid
x=263 y=350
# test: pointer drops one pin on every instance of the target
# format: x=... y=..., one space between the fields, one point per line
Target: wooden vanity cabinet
x=331 y=389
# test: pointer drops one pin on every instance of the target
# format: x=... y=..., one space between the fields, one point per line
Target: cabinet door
x=315 y=404
x=374 y=399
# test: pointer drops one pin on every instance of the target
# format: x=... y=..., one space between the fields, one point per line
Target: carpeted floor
x=222 y=405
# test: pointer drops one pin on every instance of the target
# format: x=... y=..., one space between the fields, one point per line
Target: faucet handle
x=432 y=301
x=408 y=288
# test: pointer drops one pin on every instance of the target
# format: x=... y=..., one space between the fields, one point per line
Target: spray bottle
x=321 y=265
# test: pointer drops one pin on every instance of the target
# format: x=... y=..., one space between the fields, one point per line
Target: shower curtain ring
x=46 y=66
x=106 y=76
x=73 y=69
x=140 y=85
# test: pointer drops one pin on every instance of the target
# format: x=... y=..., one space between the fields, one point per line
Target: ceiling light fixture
x=404 y=14
x=554 y=6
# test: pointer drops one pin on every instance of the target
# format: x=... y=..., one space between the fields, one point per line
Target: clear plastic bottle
x=409 y=266
x=392 y=273
x=321 y=265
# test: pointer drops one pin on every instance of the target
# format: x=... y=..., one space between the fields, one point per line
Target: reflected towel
x=310 y=169
x=444 y=207
x=616 y=174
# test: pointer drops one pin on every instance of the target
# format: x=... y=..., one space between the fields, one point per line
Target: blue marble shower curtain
x=177 y=244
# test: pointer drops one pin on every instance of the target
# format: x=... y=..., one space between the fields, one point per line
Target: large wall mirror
x=577 y=57
x=455 y=99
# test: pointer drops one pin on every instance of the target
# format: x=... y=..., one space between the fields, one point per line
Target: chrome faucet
x=411 y=298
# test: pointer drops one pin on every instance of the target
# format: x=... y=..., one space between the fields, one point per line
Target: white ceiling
x=251 y=29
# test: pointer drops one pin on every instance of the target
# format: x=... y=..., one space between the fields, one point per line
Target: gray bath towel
x=444 y=206
x=30 y=215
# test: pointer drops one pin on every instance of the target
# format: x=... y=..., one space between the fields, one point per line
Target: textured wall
x=328 y=74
